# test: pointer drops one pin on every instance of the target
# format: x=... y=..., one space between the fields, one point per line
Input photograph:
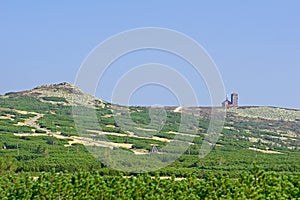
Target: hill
x=62 y=93
x=39 y=132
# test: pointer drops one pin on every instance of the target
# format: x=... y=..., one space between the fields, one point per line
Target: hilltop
x=64 y=93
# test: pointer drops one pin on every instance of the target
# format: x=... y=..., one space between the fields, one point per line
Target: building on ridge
x=234 y=101
x=226 y=103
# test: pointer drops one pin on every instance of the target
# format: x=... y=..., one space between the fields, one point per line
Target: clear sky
x=255 y=44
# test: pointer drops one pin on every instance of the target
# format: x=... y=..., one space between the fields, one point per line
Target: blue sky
x=255 y=44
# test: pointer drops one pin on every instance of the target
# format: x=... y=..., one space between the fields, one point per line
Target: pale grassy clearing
x=265 y=151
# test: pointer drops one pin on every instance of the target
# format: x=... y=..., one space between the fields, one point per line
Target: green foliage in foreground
x=84 y=185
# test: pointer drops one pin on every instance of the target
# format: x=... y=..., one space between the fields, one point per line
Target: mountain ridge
x=67 y=90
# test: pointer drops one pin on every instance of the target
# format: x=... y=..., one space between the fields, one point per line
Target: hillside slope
x=63 y=93
x=37 y=129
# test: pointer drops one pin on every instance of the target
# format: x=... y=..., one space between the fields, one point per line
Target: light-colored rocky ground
x=269 y=113
x=265 y=151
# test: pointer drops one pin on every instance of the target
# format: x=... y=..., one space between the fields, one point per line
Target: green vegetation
x=232 y=156
x=66 y=170
x=83 y=185
x=62 y=123
x=55 y=99
x=268 y=113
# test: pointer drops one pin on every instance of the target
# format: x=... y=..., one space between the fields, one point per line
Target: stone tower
x=235 y=99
